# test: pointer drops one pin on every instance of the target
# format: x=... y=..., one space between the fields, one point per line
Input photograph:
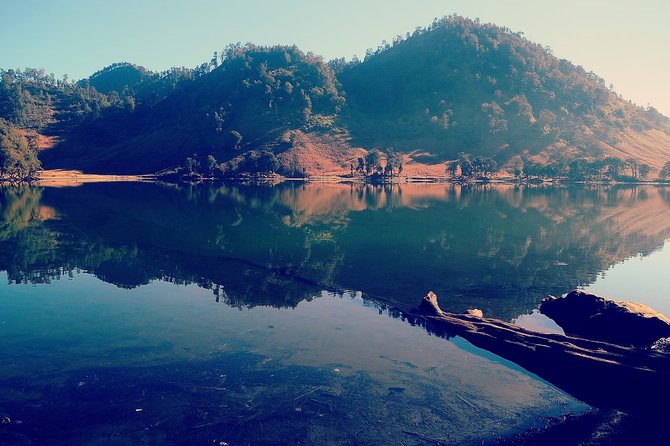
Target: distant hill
x=455 y=86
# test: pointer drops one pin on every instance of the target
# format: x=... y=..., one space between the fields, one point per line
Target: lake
x=139 y=313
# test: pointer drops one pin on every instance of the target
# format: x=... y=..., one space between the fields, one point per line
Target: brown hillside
x=319 y=153
x=651 y=147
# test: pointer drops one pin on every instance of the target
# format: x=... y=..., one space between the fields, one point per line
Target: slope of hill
x=456 y=86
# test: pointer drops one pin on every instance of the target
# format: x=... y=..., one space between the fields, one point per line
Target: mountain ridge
x=455 y=86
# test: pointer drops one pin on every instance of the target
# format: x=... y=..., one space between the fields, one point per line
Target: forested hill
x=454 y=86
x=460 y=85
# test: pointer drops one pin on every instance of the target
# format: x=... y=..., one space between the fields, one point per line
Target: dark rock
x=589 y=316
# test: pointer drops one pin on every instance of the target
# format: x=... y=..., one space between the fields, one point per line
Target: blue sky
x=625 y=42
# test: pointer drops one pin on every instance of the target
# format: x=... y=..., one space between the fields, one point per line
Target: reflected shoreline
x=501 y=248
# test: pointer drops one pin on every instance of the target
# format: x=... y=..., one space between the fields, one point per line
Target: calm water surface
x=151 y=314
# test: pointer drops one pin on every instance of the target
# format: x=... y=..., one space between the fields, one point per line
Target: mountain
x=455 y=86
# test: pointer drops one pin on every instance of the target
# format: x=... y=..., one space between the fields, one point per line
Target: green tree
x=613 y=167
x=484 y=167
x=582 y=169
x=265 y=162
x=394 y=162
x=373 y=161
x=644 y=170
x=514 y=166
x=462 y=163
x=452 y=168
x=18 y=160
x=360 y=167
x=532 y=170
x=549 y=171
x=665 y=171
x=495 y=117
x=465 y=164
x=634 y=167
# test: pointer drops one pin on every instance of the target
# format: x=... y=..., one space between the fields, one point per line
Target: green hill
x=463 y=86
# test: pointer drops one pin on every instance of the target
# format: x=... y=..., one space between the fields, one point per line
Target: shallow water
x=149 y=314
x=90 y=357
x=642 y=278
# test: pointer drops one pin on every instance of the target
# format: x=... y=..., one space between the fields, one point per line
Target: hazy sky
x=626 y=42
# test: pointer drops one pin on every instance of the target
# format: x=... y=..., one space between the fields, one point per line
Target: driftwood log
x=629 y=379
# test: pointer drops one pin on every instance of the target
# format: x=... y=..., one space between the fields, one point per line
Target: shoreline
x=69 y=178
x=65 y=178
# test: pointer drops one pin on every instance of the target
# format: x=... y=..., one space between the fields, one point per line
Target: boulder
x=590 y=316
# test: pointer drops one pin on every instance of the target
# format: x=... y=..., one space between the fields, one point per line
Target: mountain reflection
x=499 y=248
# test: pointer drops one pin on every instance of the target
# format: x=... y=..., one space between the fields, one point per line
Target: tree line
x=467 y=167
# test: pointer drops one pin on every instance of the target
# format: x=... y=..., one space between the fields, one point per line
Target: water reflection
x=499 y=248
